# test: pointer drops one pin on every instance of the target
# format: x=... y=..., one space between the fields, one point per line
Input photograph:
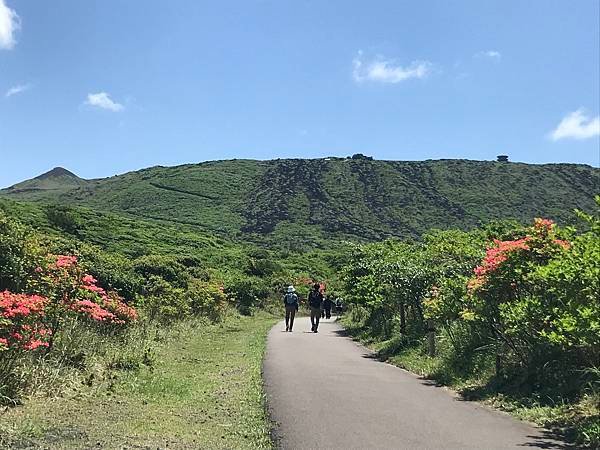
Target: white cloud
x=9 y=23
x=103 y=100
x=387 y=71
x=17 y=89
x=576 y=125
x=493 y=55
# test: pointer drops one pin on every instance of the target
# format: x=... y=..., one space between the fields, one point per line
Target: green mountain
x=305 y=202
x=55 y=182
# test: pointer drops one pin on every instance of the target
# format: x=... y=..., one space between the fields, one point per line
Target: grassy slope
x=299 y=204
x=132 y=237
x=204 y=390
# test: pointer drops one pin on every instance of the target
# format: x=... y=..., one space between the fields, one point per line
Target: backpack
x=315 y=299
x=290 y=298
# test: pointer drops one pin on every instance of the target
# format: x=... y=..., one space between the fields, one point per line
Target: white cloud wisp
x=102 y=100
x=576 y=125
x=9 y=24
x=17 y=90
x=386 y=71
x=493 y=55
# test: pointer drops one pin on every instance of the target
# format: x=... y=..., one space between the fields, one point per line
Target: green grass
x=203 y=390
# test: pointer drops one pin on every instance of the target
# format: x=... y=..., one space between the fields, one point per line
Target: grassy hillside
x=52 y=183
x=128 y=237
x=303 y=203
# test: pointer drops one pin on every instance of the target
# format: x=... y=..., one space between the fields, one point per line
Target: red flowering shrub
x=499 y=253
x=498 y=271
x=73 y=291
x=22 y=321
x=108 y=306
x=309 y=282
x=519 y=290
x=30 y=321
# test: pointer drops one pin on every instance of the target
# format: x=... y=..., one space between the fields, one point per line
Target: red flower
x=35 y=343
x=564 y=244
x=543 y=226
x=93 y=288
x=88 y=279
x=65 y=261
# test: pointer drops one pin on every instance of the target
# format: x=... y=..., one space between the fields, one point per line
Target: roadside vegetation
x=505 y=313
x=198 y=386
x=165 y=331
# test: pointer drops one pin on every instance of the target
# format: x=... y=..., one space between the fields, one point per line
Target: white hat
x=291 y=288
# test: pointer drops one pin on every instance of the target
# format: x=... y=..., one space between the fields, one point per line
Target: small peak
x=56 y=172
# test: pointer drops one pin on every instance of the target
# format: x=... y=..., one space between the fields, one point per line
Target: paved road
x=326 y=392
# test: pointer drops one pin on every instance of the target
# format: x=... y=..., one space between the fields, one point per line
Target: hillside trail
x=327 y=392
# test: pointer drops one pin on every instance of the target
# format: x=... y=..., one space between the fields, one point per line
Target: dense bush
x=56 y=296
x=539 y=296
x=112 y=270
x=246 y=293
x=206 y=299
x=531 y=297
x=169 y=269
x=164 y=302
x=63 y=217
x=392 y=278
x=20 y=254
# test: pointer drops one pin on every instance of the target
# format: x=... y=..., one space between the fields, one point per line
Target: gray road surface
x=326 y=392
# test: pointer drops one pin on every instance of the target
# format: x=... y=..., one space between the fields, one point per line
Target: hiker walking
x=327 y=304
x=339 y=306
x=290 y=301
x=315 y=301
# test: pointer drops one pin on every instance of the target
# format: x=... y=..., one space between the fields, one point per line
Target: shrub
x=164 y=267
x=69 y=297
x=20 y=254
x=22 y=324
x=72 y=292
x=163 y=302
x=112 y=270
x=509 y=292
x=206 y=299
x=247 y=293
x=63 y=217
x=262 y=267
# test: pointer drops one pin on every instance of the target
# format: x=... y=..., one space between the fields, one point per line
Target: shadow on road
x=546 y=440
x=342 y=332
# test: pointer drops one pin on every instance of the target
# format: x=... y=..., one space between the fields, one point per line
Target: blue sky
x=102 y=87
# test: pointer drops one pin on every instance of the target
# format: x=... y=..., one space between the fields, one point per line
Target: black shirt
x=315 y=299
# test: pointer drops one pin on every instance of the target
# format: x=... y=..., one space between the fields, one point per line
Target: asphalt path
x=325 y=391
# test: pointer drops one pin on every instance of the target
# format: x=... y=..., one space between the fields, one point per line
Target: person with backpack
x=327 y=304
x=290 y=301
x=315 y=301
